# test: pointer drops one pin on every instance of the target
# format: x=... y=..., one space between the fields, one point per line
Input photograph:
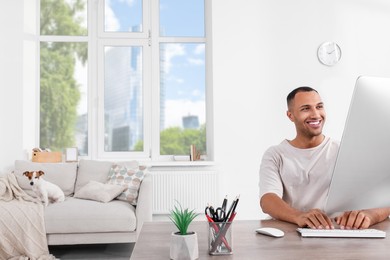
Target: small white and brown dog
x=45 y=190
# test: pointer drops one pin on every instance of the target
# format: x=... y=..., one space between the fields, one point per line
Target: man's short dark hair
x=292 y=94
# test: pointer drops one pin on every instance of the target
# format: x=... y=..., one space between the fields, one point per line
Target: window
x=122 y=79
x=182 y=76
x=63 y=75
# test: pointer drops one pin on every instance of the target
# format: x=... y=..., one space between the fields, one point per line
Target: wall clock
x=329 y=53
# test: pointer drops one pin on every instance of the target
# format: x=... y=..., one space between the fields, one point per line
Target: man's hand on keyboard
x=314 y=218
x=357 y=219
x=360 y=219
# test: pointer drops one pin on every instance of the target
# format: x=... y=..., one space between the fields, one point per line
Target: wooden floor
x=86 y=252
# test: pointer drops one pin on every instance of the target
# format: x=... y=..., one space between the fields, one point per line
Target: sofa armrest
x=144 y=209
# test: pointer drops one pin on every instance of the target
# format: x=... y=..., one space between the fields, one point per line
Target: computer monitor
x=361 y=177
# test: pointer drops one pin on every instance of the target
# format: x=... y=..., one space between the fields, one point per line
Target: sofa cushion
x=86 y=216
x=91 y=170
x=98 y=191
x=129 y=176
x=61 y=174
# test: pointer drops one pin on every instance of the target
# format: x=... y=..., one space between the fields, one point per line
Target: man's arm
x=360 y=219
x=277 y=208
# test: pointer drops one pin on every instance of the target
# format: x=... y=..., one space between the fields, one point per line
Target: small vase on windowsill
x=184 y=244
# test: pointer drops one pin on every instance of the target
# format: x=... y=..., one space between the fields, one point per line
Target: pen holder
x=220 y=238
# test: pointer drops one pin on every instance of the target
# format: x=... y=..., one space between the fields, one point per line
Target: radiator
x=192 y=189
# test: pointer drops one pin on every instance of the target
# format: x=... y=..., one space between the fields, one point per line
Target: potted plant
x=184 y=244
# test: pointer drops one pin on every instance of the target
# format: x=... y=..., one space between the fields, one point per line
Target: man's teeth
x=314 y=123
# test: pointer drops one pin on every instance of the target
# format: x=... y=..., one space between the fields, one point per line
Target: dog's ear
x=40 y=173
x=25 y=173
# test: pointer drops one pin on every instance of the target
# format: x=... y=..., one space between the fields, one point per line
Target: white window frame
x=155 y=41
x=149 y=40
x=128 y=35
x=145 y=95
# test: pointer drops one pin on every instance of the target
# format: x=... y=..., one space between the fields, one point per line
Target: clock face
x=329 y=53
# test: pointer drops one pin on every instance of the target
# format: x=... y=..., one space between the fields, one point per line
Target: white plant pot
x=184 y=246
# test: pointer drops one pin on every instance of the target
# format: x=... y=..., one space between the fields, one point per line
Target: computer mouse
x=269 y=231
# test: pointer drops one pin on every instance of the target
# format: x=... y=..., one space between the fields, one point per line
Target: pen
x=231 y=209
x=224 y=203
x=235 y=205
x=232 y=216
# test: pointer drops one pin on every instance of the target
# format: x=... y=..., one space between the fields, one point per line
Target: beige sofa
x=87 y=221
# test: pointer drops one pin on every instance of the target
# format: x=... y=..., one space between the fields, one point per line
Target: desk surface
x=154 y=241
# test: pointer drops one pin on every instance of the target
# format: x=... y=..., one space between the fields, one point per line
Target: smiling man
x=295 y=175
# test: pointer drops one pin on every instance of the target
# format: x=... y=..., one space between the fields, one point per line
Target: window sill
x=181 y=163
x=157 y=163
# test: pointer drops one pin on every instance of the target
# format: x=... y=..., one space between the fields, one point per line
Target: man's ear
x=290 y=116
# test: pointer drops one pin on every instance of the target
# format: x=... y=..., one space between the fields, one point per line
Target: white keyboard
x=357 y=233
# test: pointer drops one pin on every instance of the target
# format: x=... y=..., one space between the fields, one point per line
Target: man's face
x=308 y=114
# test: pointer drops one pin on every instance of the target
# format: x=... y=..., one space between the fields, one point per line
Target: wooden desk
x=154 y=240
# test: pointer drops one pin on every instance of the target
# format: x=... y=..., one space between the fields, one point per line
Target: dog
x=45 y=190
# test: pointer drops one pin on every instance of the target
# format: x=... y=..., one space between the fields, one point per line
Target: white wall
x=262 y=49
x=11 y=79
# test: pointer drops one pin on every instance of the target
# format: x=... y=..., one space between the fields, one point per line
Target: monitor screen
x=361 y=177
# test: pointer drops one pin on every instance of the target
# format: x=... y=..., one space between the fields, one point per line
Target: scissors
x=217 y=215
x=209 y=211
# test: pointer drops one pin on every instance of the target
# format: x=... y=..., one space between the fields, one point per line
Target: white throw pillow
x=98 y=191
x=129 y=176
x=92 y=170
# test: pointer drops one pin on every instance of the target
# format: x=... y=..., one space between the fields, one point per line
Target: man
x=295 y=175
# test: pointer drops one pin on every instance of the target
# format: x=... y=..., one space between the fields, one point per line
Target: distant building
x=123 y=104
x=190 y=122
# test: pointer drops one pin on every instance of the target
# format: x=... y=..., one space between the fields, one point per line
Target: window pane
x=123 y=15
x=63 y=96
x=183 y=106
x=182 y=18
x=64 y=17
x=123 y=99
